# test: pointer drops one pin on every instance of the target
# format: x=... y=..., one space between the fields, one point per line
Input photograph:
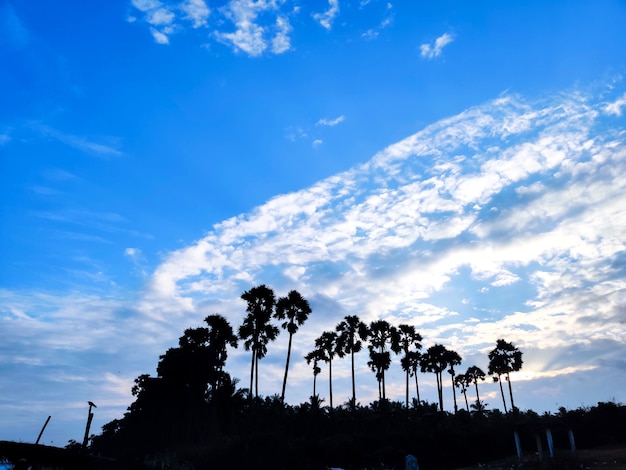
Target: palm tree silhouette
x=382 y=336
x=219 y=335
x=352 y=332
x=315 y=356
x=256 y=329
x=462 y=381
x=504 y=359
x=436 y=360
x=295 y=310
x=453 y=359
x=326 y=344
x=474 y=374
x=410 y=342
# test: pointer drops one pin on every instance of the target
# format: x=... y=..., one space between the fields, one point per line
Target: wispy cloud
x=163 y=17
x=81 y=143
x=385 y=22
x=331 y=122
x=430 y=51
x=326 y=18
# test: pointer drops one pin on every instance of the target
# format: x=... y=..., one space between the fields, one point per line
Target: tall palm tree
x=436 y=360
x=256 y=329
x=410 y=342
x=327 y=345
x=382 y=336
x=352 y=332
x=504 y=359
x=294 y=310
x=315 y=357
x=474 y=374
x=453 y=359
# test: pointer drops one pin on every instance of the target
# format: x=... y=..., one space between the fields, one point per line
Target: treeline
x=194 y=411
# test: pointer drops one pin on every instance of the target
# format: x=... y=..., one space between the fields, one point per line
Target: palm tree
x=314 y=356
x=295 y=310
x=453 y=359
x=256 y=329
x=352 y=332
x=462 y=382
x=410 y=342
x=436 y=360
x=474 y=374
x=415 y=360
x=504 y=359
x=327 y=346
x=382 y=336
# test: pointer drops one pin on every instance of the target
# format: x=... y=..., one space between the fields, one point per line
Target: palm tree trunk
x=282 y=396
x=256 y=377
x=314 y=381
x=477 y=397
x=252 y=370
x=454 y=393
x=508 y=379
x=383 y=381
x=407 y=389
x=417 y=388
x=353 y=386
x=440 y=389
x=466 y=403
x=330 y=381
x=502 y=392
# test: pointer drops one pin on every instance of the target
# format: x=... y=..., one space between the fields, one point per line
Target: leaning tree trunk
x=508 y=379
x=454 y=393
x=256 y=377
x=465 y=395
x=417 y=388
x=282 y=396
x=502 y=392
x=440 y=390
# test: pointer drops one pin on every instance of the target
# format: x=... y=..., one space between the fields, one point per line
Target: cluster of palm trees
x=349 y=337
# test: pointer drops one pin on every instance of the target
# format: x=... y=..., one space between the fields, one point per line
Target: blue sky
x=460 y=167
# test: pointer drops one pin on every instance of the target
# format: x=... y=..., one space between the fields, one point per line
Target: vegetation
x=193 y=415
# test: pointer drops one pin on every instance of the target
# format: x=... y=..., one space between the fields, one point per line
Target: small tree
x=352 y=332
x=382 y=336
x=474 y=374
x=410 y=343
x=326 y=344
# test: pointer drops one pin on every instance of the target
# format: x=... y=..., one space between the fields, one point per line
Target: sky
x=458 y=166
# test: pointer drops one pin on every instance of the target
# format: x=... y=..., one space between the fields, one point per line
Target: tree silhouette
x=256 y=330
x=474 y=374
x=315 y=357
x=220 y=335
x=352 y=332
x=453 y=359
x=436 y=360
x=504 y=359
x=326 y=344
x=410 y=343
x=294 y=310
x=382 y=336
x=415 y=360
x=462 y=381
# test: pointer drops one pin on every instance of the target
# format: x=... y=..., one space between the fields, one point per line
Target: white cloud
x=615 y=107
x=331 y=122
x=430 y=51
x=196 y=11
x=317 y=142
x=281 y=42
x=326 y=18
